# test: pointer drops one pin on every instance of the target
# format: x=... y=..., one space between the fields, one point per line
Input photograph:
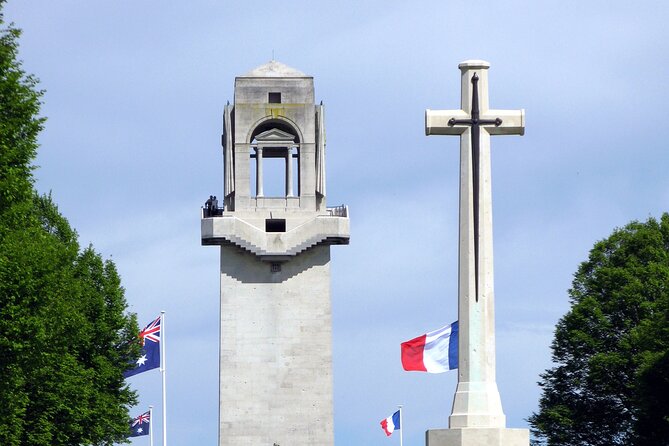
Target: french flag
x=434 y=352
x=391 y=423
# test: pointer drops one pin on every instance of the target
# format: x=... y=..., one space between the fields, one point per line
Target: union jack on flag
x=149 y=357
x=151 y=332
x=140 y=426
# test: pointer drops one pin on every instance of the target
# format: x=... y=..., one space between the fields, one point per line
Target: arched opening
x=275 y=172
x=277 y=124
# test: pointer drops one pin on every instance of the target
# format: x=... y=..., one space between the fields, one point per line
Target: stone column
x=259 y=179
x=289 y=172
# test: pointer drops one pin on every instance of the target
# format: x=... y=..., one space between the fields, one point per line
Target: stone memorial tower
x=275 y=231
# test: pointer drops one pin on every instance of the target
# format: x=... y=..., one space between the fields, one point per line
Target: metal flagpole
x=162 y=372
x=150 y=425
x=401 y=424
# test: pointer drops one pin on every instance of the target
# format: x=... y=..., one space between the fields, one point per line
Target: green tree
x=610 y=382
x=65 y=336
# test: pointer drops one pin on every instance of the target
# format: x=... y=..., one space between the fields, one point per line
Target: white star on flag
x=141 y=360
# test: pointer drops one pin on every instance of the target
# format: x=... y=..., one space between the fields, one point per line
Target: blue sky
x=131 y=150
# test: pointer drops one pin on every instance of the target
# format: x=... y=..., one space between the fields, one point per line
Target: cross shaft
x=477 y=403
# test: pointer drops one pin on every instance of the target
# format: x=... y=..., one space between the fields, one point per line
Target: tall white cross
x=477 y=402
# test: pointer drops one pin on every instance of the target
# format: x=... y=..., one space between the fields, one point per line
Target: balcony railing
x=335 y=211
x=338 y=211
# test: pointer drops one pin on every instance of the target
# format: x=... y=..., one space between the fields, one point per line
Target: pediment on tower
x=275 y=136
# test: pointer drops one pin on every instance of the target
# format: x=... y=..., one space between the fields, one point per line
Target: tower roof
x=274 y=68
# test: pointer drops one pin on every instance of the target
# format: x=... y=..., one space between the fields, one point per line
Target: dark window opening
x=274 y=98
x=276 y=267
x=275 y=225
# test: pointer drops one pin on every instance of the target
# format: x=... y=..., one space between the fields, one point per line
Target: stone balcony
x=272 y=243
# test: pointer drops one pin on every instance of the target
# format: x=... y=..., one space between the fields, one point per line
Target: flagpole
x=162 y=372
x=401 y=424
x=150 y=425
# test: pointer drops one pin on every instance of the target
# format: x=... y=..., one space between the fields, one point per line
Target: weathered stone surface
x=276 y=350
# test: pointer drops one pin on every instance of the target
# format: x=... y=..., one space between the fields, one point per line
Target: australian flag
x=140 y=426
x=149 y=357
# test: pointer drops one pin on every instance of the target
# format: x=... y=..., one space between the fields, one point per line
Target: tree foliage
x=65 y=336
x=19 y=124
x=610 y=382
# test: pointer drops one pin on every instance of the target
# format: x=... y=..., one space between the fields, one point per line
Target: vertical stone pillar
x=289 y=172
x=259 y=179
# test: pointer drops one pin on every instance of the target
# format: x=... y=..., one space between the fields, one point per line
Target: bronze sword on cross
x=475 y=123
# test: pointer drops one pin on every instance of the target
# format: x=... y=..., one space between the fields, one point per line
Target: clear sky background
x=134 y=98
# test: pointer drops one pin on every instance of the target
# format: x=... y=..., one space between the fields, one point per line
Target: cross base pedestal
x=477 y=436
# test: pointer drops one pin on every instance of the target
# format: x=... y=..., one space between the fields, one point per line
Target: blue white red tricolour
x=433 y=352
x=391 y=424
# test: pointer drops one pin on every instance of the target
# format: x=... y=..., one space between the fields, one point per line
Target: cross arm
x=436 y=122
x=513 y=122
